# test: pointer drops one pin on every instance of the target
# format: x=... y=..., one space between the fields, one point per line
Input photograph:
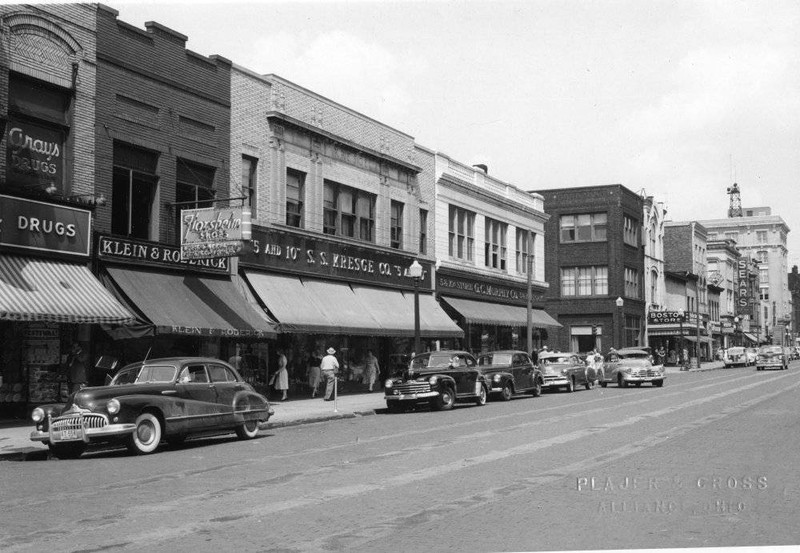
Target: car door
x=522 y=368
x=226 y=385
x=200 y=395
x=578 y=369
x=610 y=367
x=461 y=373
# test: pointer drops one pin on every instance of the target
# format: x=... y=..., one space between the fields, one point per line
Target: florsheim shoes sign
x=214 y=232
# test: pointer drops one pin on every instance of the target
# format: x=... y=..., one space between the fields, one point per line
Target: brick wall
x=153 y=93
x=678 y=242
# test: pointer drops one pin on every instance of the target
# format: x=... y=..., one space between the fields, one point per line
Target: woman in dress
x=281 y=378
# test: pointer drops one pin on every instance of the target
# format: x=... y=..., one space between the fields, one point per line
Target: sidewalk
x=16 y=445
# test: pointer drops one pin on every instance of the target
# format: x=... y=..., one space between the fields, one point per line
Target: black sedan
x=169 y=398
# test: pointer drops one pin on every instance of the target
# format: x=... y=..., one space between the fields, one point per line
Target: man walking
x=329 y=367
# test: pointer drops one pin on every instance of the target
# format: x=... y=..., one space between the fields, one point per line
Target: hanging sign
x=213 y=232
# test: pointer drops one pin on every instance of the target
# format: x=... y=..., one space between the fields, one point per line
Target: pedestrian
x=329 y=367
x=314 y=373
x=76 y=365
x=371 y=369
x=280 y=380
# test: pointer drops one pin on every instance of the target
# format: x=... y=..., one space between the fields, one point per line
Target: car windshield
x=633 y=355
x=556 y=360
x=770 y=350
x=432 y=360
x=145 y=373
x=735 y=351
x=495 y=359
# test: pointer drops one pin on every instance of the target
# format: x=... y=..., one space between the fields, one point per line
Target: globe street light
x=415 y=272
x=620 y=302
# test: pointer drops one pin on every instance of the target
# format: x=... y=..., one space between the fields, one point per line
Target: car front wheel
x=537 y=389
x=147 y=436
x=506 y=392
x=481 y=397
x=445 y=400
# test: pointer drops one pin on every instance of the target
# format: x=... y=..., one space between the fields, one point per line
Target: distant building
x=654 y=216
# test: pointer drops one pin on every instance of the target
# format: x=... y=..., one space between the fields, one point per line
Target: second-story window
x=495 y=244
x=397 y=225
x=295 y=194
x=133 y=191
x=586 y=227
x=524 y=250
x=461 y=234
x=584 y=281
x=348 y=212
x=249 y=184
x=194 y=187
x=630 y=232
x=631 y=283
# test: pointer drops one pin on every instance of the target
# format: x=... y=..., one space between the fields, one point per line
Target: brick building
x=595 y=267
x=49 y=298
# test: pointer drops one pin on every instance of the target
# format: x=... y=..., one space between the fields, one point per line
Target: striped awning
x=53 y=291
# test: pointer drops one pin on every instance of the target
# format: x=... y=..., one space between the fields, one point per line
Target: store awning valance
x=34 y=289
x=318 y=307
x=484 y=312
x=703 y=339
x=750 y=337
x=173 y=303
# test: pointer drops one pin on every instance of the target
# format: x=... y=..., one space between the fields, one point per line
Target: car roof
x=504 y=351
x=556 y=354
x=633 y=350
x=176 y=361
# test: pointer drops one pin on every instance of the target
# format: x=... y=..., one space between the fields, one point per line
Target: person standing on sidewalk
x=329 y=367
x=314 y=373
x=371 y=369
x=280 y=380
x=76 y=364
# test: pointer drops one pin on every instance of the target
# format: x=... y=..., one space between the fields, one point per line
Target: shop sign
x=312 y=256
x=665 y=317
x=43 y=226
x=213 y=332
x=213 y=232
x=152 y=253
x=744 y=298
x=463 y=286
x=34 y=154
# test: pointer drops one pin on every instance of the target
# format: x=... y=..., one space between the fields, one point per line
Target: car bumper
x=770 y=364
x=416 y=396
x=635 y=378
x=555 y=383
x=109 y=432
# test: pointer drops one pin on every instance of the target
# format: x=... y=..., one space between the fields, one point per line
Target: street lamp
x=415 y=272
x=620 y=302
x=736 y=338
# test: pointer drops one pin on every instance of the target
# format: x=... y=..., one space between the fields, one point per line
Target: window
x=348 y=212
x=525 y=239
x=761 y=236
x=630 y=232
x=397 y=225
x=762 y=256
x=584 y=281
x=423 y=231
x=249 y=184
x=495 y=245
x=587 y=227
x=295 y=194
x=133 y=191
x=653 y=232
x=654 y=286
x=632 y=325
x=631 y=283
x=194 y=187
x=462 y=240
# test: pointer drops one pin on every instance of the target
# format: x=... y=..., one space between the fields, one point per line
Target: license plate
x=70 y=434
x=408 y=396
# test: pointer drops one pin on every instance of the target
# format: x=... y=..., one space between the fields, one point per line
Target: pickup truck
x=510 y=372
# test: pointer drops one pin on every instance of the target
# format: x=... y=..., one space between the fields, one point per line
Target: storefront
x=49 y=299
x=675 y=331
x=181 y=307
x=492 y=312
x=327 y=294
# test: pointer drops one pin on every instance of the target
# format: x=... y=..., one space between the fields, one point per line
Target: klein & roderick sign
x=152 y=253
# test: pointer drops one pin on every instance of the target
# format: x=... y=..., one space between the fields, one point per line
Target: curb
x=320 y=418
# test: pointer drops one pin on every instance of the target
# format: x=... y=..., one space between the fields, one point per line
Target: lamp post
x=620 y=302
x=415 y=272
x=736 y=338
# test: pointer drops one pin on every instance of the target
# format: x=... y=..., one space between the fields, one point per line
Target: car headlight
x=38 y=414
x=627 y=370
x=497 y=378
x=112 y=407
x=564 y=372
x=389 y=384
x=433 y=380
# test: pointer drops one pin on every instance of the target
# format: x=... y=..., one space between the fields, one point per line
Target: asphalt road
x=707 y=460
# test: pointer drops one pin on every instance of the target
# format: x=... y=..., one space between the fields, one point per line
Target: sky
x=676 y=98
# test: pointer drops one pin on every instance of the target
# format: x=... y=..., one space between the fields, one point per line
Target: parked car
x=564 y=370
x=752 y=355
x=631 y=366
x=795 y=352
x=169 y=398
x=510 y=372
x=736 y=356
x=772 y=357
x=439 y=379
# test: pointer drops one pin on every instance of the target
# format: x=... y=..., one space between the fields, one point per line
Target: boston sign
x=666 y=317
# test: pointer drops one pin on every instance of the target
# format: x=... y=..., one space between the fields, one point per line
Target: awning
x=55 y=291
x=750 y=337
x=174 y=303
x=483 y=312
x=318 y=307
x=704 y=339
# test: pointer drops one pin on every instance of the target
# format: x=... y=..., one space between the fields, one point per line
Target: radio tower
x=735 y=209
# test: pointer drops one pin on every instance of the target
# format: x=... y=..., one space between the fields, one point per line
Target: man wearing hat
x=329 y=367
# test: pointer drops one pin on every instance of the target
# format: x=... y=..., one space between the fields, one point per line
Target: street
x=707 y=460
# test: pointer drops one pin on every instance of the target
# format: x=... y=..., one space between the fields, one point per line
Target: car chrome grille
x=413 y=387
x=73 y=422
